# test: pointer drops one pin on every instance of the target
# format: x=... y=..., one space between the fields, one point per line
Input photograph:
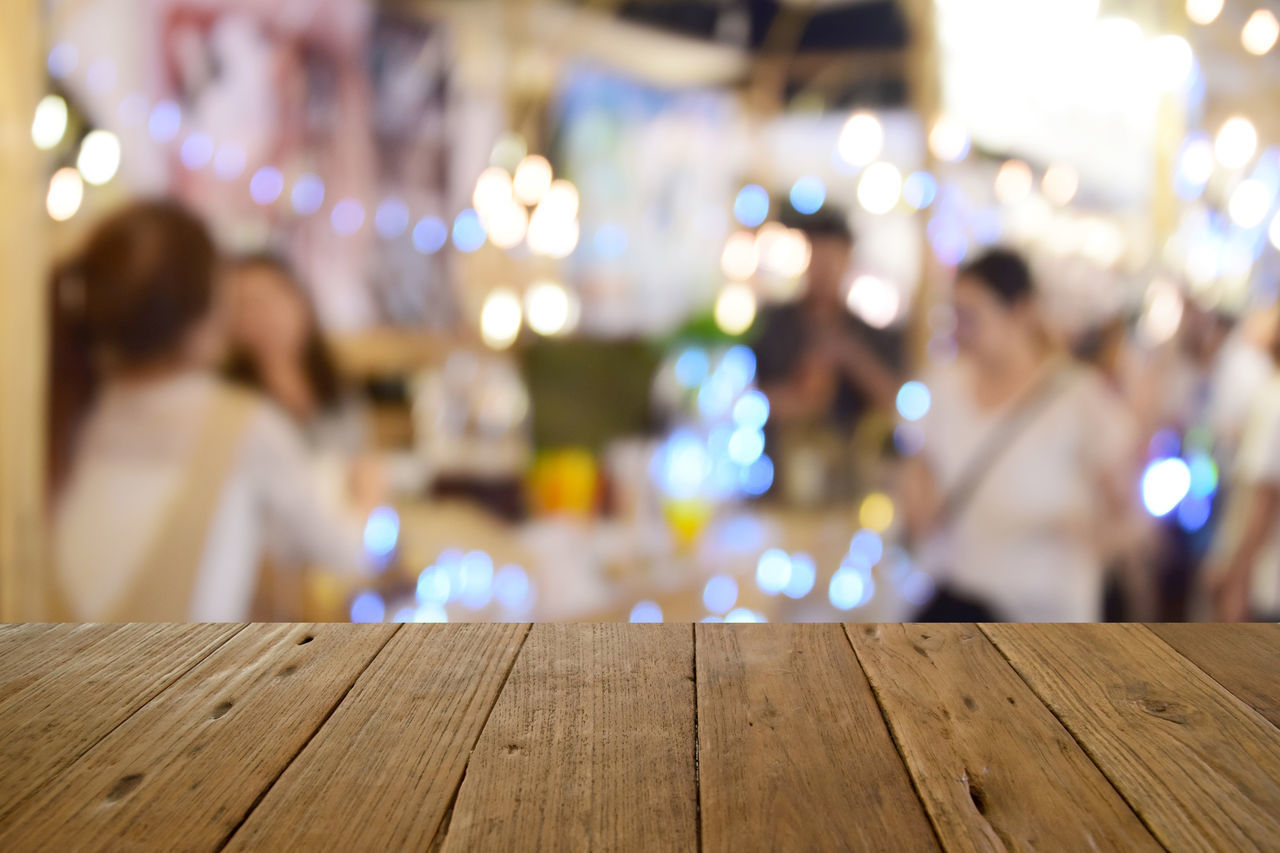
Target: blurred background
x=607 y=310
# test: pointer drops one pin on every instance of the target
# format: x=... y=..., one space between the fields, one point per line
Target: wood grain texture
x=1201 y=767
x=792 y=751
x=52 y=721
x=1244 y=658
x=28 y=651
x=183 y=771
x=589 y=747
x=387 y=786
x=994 y=767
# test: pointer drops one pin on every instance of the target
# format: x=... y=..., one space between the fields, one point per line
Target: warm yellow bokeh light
x=66 y=191
x=735 y=309
x=876 y=512
x=500 y=318
x=50 y=122
x=1260 y=32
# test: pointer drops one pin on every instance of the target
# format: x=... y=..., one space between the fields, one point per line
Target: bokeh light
x=196 y=151
x=919 y=190
x=229 y=162
x=165 y=121
x=547 y=308
x=1013 y=182
x=347 y=217
x=1249 y=203
x=99 y=157
x=861 y=139
x=368 y=607
x=1164 y=484
x=808 y=194
x=866 y=546
x=645 y=611
x=391 y=218
x=751 y=205
x=511 y=587
x=720 y=594
x=874 y=301
x=307 y=194
x=914 y=400
x=468 y=232
x=532 y=179
x=266 y=185
x=740 y=257
x=879 y=188
x=735 y=308
x=1236 y=142
x=381 y=532
x=66 y=192
x=849 y=588
x=773 y=571
x=948 y=141
x=62 y=61
x=430 y=234
x=500 y=318
x=1260 y=32
x=804 y=573
x=752 y=410
x=876 y=512
x=50 y=122
x=507 y=224
x=1060 y=183
x=1204 y=12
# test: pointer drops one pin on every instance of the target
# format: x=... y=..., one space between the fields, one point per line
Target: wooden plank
x=52 y=721
x=590 y=746
x=1244 y=658
x=183 y=771
x=1199 y=766
x=792 y=751
x=388 y=786
x=994 y=767
x=29 y=651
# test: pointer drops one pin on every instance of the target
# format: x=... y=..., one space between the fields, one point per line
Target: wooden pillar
x=23 y=225
x=924 y=82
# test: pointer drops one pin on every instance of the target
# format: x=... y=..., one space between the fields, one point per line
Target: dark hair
x=141 y=282
x=317 y=362
x=827 y=221
x=1004 y=273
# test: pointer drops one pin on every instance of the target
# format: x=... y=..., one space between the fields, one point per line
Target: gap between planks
x=263 y=793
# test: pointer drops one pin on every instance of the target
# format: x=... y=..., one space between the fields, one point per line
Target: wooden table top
x=645 y=737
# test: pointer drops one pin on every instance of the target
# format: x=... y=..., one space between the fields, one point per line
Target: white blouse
x=130 y=461
x=1027 y=543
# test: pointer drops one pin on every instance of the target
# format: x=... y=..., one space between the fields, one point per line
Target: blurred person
x=1244 y=582
x=1026 y=456
x=815 y=359
x=170 y=487
x=824 y=370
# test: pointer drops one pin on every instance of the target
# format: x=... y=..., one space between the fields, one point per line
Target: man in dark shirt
x=818 y=363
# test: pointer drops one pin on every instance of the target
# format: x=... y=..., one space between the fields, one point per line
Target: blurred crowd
x=206 y=450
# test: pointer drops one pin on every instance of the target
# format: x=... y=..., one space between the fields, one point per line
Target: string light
x=1260 y=32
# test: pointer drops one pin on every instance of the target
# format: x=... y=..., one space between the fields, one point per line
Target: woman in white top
x=1245 y=580
x=1024 y=457
x=171 y=488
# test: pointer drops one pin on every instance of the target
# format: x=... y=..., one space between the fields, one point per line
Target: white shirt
x=1026 y=543
x=1258 y=462
x=129 y=462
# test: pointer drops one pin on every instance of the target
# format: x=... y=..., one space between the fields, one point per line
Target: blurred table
x=646 y=737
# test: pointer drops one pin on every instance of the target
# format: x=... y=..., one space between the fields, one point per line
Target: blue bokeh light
x=368 y=607
x=866 y=545
x=692 y=367
x=849 y=588
x=468 y=231
x=752 y=410
x=266 y=185
x=751 y=206
x=429 y=235
x=773 y=571
x=511 y=586
x=196 y=151
x=164 y=121
x=307 y=194
x=808 y=194
x=347 y=217
x=646 y=611
x=804 y=573
x=746 y=445
x=919 y=190
x=1194 y=512
x=391 y=218
x=63 y=59
x=381 y=532
x=720 y=594
x=914 y=400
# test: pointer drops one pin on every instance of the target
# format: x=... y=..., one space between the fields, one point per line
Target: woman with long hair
x=1025 y=457
x=170 y=486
